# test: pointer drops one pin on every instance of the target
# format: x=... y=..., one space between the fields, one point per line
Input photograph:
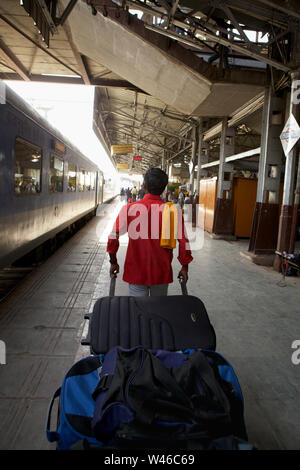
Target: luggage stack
x=153 y=381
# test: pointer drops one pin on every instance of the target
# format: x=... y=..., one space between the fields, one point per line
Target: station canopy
x=158 y=66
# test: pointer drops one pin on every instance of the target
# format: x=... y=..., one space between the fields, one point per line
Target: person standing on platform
x=128 y=194
x=148 y=263
x=181 y=197
x=140 y=194
x=134 y=194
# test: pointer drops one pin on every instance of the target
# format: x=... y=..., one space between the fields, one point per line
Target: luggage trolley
x=290 y=263
x=176 y=324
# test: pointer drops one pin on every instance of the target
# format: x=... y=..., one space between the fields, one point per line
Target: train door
x=99 y=188
x=96 y=190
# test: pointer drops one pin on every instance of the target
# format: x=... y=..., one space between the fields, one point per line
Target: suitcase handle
x=183 y=285
x=112 y=286
x=52 y=436
x=113 y=278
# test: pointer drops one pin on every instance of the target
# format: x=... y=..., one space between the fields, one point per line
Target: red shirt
x=146 y=263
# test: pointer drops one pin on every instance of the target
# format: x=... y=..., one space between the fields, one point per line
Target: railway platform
x=256 y=322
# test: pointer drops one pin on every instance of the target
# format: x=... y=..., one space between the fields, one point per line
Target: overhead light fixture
x=59 y=75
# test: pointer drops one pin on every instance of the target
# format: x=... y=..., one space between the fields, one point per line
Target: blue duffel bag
x=143 y=398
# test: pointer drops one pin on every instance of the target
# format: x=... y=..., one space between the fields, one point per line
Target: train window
x=72 y=177
x=81 y=180
x=87 y=180
x=92 y=181
x=56 y=174
x=28 y=166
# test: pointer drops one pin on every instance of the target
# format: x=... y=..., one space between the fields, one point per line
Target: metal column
x=266 y=215
x=193 y=160
x=225 y=169
x=296 y=210
x=223 y=217
x=286 y=216
x=199 y=161
x=163 y=160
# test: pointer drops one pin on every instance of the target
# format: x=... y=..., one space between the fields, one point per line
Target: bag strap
x=208 y=376
x=103 y=385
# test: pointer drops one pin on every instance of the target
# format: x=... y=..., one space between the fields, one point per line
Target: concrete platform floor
x=256 y=322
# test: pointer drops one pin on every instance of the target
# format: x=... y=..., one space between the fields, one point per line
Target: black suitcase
x=172 y=323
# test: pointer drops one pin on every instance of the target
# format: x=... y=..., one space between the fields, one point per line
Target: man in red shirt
x=148 y=266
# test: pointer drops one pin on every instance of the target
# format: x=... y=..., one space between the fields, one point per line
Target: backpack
x=161 y=399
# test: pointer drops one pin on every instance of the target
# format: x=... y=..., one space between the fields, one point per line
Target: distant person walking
x=122 y=194
x=181 y=198
x=134 y=194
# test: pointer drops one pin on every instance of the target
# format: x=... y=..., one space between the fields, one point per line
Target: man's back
x=147 y=263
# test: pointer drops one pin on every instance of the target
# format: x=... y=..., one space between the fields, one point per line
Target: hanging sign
x=117 y=149
x=58 y=146
x=290 y=135
x=123 y=165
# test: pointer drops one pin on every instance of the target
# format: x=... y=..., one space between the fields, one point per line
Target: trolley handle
x=183 y=285
x=112 y=286
x=284 y=254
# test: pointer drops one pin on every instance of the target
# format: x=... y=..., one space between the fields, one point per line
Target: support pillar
x=167 y=167
x=202 y=155
x=200 y=140
x=163 y=158
x=285 y=236
x=223 y=216
x=266 y=214
x=296 y=210
x=163 y=161
x=193 y=160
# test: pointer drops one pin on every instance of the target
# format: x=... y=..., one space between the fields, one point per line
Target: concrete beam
x=80 y=63
x=291 y=9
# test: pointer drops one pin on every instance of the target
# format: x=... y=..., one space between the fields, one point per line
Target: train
x=46 y=184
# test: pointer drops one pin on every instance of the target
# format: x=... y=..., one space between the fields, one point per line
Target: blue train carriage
x=46 y=184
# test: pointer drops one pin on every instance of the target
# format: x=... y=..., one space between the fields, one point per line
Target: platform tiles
x=256 y=322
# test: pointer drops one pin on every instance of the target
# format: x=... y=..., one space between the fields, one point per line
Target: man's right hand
x=114 y=269
x=184 y=275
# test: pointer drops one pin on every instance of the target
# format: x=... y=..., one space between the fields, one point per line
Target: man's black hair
x=155 y=180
